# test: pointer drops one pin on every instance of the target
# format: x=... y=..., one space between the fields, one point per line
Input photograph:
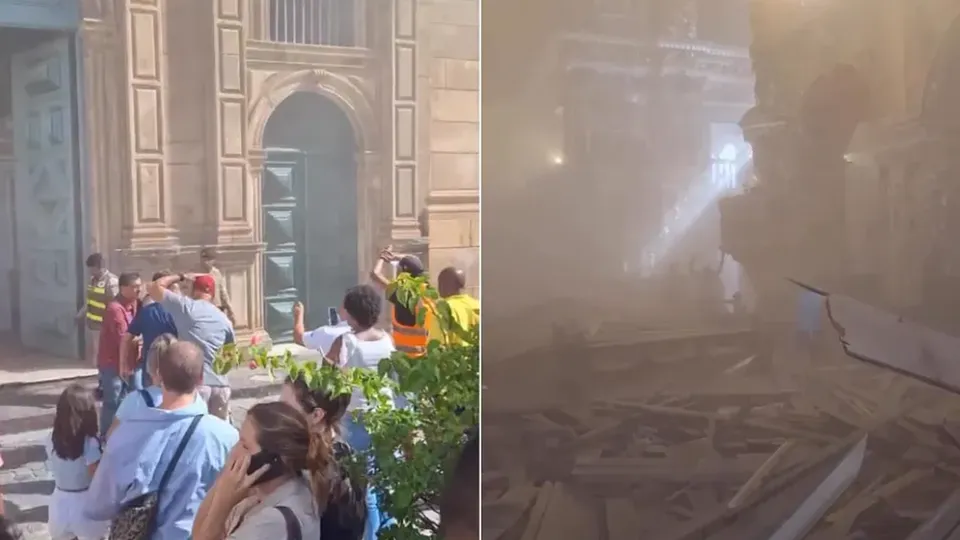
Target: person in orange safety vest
x=408 y=336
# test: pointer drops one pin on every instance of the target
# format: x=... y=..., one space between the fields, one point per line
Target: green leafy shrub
x=412 y=447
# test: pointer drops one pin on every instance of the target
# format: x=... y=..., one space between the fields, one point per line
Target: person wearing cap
x=221 y=298
x=200 y=321
x=408 y=336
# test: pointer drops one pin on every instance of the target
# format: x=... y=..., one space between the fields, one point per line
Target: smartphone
x=333 y=316
x=262 y=458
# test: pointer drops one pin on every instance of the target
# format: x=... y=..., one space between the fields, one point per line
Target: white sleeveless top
x=364 y=354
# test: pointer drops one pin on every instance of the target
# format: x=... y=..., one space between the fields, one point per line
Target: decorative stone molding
x=231 y=197
x=146 y=210
x=338 y=88
x=404 y=121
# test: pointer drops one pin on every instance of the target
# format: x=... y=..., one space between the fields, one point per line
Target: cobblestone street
x=26 y=418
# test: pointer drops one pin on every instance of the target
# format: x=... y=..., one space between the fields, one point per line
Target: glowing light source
x=557 y=159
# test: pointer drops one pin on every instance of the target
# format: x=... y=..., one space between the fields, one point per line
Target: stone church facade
x=174 y=107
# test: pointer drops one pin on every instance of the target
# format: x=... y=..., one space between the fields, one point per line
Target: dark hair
x=311 y=399
x=284 y=431
x=181 y=367
x=75 y=422
x=346 y=511
x=161 y=274
x=127 y=278
x=95 y=260
x=364 y=304
x=208 y=253
x=9 y=530
x=460 y=502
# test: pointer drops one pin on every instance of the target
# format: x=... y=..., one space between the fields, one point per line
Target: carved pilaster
x=146 y=210
x=101 y=124
x=404 y=120
x=226 y=147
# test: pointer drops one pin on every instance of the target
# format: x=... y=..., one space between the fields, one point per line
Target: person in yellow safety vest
x=408 y=336
x=103 y=287
x=464 y=309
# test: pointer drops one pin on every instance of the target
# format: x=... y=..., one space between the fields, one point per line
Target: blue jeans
x=112 y=386
x=358 y=438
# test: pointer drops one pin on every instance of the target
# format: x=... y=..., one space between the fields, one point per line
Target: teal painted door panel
x=46 y=187
x=331 y=231
x=41 y=14
x=283 y=262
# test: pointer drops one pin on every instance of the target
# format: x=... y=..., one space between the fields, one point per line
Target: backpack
x=137 y=519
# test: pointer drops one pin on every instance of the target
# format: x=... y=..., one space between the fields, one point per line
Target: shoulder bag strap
x=293 y=524
x=147 y=398
x=176 y=456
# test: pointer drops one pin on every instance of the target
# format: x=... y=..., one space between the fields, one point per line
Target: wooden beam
x=945 y=520
x=817 y=504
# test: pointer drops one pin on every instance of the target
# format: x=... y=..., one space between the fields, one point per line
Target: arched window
x=317 y=22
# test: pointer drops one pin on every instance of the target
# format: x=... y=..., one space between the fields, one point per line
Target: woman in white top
x=275 y=484
x=73 y=453
x=364 y=347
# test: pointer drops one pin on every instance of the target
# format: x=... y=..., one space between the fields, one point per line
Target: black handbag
x=138 y=518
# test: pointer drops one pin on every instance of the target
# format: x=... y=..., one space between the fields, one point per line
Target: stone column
x=101 y=121
x=145 y=201
x=233 y=189
x=453 y=205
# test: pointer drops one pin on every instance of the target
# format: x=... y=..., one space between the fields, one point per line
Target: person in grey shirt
x=201 y=322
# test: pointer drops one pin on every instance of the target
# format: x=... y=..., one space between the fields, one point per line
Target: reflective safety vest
x=411 y=340
x=97 y=299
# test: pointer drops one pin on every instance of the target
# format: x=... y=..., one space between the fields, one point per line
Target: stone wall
x=175 y=122
x=450 y=133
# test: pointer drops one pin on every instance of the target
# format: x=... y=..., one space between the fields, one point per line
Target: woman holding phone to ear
x=276 y=482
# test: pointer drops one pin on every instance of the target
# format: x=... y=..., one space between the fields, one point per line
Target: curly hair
x=363 y=303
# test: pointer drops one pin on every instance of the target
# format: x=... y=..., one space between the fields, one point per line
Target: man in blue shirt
x=151 y=322
x=142 y=447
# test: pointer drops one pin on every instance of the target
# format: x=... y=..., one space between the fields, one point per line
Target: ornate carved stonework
x=177 y=97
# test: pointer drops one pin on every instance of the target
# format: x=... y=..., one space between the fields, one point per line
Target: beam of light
x=703 y=192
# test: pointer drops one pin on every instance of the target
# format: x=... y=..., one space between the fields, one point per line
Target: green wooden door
x=46 y=193
x=283 y=261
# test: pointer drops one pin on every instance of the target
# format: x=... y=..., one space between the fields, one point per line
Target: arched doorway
x=309 y=204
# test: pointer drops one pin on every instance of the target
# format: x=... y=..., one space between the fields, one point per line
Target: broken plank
x=567 y=517
x=710 y=524
x=751 y=485
x=944 y=520
x=537 y=513
x=803 y=520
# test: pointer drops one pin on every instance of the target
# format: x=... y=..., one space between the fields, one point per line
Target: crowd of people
x=161 y=458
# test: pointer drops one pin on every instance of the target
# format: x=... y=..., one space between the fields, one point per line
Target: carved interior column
x=146 y=195
x=403 y=120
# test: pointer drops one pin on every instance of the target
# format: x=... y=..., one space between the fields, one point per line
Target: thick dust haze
x=718 y=270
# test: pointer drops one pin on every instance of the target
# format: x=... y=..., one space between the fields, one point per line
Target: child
x=73 y=452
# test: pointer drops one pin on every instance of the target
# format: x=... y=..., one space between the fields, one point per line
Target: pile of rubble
x=696 y=436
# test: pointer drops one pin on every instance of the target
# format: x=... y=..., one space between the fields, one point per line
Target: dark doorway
x=309 y=200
